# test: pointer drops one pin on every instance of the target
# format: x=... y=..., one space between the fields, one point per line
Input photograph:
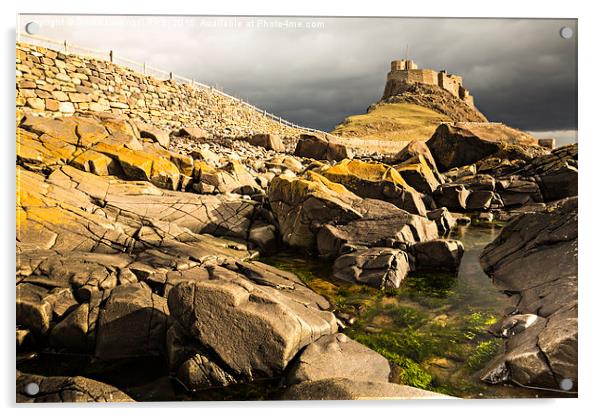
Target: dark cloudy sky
x=317 y=71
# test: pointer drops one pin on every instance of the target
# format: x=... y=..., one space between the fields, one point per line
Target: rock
x=334 y=356
x=314 y=147
x=444 y=220
x=437 y=255
x=451 y=196
x=390 y=227
x=284 y=162
x=556 y=174
x=301 y=203
x=66 y=390
x=382 y=268
x=376 y=181
x=535 y=256
x=345 y=389
x=416 y=152
x=460 y=144
x=266 y=325
x=154 y=133
x=479 y=200
x=34 y=310
x=515 y=191
x=419 y=176
x=132 y=323
x=193 y=132
x=268 y=141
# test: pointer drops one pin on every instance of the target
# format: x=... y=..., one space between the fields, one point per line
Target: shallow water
x=434 y=328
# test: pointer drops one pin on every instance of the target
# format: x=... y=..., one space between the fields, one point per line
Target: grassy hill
x=392 y=121
x=413 y=113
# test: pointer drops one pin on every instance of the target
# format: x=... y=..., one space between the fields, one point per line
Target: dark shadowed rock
x=437 y=255
x=535 y=256
x=314 y=147
x=444 y=220
x=377 y=267
x=451 y=196
x=345 y=389
x=132 y=323
x=66 y=390
x=460 y=144
x=335 y=356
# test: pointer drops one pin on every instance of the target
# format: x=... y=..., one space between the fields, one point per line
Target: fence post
x=65 y=44
x=144 y=68
x=111 y=56
x=170 y=75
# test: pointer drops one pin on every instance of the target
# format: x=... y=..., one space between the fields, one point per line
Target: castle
x=407 y=72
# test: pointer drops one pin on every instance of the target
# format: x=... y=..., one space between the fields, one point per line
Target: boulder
x=337 y=355
x=151 y=132
x=33 y=309
x=419 y=176
x=451 y=196
x=382 y=268
x=132 y=323
x=535 y=256
x=460 y=144
x=65 y=390
x=314 y=147
x=268 y=141
x=444 y=220
x=479 y=200
x=345 y=389
x=392 y=228
x=252 y=328
x=437 y=255
x=415 y=152
x=556 y=174
x=302 y=203
x=193 y=132
x=376 y=181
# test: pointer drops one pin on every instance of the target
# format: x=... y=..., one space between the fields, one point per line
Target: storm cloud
x=316 y=71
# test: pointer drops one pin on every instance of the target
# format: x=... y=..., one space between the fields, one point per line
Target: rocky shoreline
x=134 y=242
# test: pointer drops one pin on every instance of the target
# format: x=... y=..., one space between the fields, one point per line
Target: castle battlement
x=406 y=71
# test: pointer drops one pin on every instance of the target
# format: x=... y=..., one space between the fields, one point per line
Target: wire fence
x=145 y=69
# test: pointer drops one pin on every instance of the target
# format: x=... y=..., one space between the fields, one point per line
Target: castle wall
x=51 y=83
x=415 y=76
x=450 y=83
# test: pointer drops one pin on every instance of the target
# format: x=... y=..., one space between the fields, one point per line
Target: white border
x=590 y=143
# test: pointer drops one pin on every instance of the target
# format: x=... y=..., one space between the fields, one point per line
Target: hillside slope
x=413 y=113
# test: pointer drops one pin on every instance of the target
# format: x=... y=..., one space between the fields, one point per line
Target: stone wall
x=51 y=83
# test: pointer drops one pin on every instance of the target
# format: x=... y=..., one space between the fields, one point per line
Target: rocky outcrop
x=337 y=355
x=38 y=389
x=535 y=257
x=460 y=144
x=317 y=148
x=346 y=389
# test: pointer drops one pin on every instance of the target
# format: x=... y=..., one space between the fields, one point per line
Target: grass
x=394 y=121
